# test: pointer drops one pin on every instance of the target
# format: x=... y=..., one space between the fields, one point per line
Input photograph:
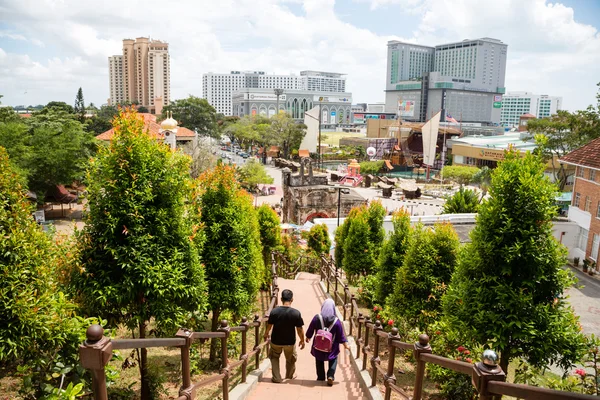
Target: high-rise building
x=515 y=104
x=465 y=79
x=217 y=88
x=141 y=74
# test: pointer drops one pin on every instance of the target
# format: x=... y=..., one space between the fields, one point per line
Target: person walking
x=329 y=334
x=286 y=322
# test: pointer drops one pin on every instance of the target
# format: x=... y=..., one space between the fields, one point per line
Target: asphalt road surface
x=585 y=299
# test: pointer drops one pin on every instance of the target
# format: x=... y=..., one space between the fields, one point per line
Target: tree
x=195 y=114
x=37 y=329
x=463 y=201
x=270 y=233
x=142 y=109
x=376 y=212
x=250 y=129
x=60 y=151
x=234 y=266
x=318 y=239
x=370 y=167
x=508 y=289
x=462 y=174
x=422 y=279
x=392 y=255
x=139 y=250
x=358 y=255
x=341 y=233
x=286 y=132
x=483 y=177
x=55 y=106
x=202 y=158
x=80 y=106
x=252 y=174
x=14 y=139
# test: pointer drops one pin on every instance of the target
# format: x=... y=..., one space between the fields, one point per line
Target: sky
x=50 y=48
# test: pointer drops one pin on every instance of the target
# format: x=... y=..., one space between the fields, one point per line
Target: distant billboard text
x=406 y=108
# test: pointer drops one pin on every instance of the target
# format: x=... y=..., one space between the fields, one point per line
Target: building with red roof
x=185 y=138
x=585 y=205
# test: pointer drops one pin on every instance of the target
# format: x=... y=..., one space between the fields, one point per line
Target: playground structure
x=353 y=177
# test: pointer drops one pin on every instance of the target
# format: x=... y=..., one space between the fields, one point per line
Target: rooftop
x=152 y=126
x=586 y=156
x=514 y=139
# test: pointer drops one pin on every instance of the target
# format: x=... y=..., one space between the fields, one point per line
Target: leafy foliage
x=37 y=328
x=462 y=174
x=318 y=239
x=253 y=173
x=270 y=233
x=483 y=178
x=138 y=252
x=358 y=255
x=79 y=108
x=286 y=132
x=371 y=167
x=422 y=280
x=375 y=214
x=392 y=255
x=508 y=289
x=463 y=201
x=234 y=265
x=48 y=149
x=195 y=114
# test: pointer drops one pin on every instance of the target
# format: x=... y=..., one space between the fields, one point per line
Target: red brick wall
x=585 y=187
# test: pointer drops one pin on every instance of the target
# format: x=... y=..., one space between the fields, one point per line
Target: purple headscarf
x=328 y=310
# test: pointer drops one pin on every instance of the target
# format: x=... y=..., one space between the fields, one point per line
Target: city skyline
x=49 y=49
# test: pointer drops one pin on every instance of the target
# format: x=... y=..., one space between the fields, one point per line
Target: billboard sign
x=359 y=118
x=332 y=120
x=406 y=108
x=498 y=97
x=263 y=97
x=497 y=104
x=332 y=99
x=324 y=118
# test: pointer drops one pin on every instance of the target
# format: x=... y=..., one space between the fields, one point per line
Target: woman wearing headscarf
x=327 y=320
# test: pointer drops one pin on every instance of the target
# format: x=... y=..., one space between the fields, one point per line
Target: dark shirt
x=338 y=337
x=285 y=320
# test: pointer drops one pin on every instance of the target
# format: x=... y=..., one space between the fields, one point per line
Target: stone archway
x=318 y=214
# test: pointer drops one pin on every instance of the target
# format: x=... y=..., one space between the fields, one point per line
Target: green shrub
x=461 y=174
x=367 y=286
x=371 y=167
x=422 y=280
x=318 y=239
x=463 y=201
x=392 y=255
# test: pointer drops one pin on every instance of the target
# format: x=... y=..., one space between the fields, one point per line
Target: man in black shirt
x=286 y=321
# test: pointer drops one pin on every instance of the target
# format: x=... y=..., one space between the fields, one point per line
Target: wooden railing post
x=375 y=360
x=422 y=346
x=186 y=389
x=224 y=327
x=328 y=276
x=485 y=371
x=351 y=312
x=256 y=340
x=359 y=340
x=366 y=346
x=346 y=290
x=390 y=378
x=94 y=354
x=244 y=355
x=322 y=269
x=337 y=275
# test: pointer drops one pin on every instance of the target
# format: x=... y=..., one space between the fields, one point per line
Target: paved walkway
x=308 y=298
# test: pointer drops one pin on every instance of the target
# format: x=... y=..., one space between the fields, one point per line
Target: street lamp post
x=278 y=92
x=340 y=191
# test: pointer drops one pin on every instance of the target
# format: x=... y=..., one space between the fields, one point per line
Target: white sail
x=430 y=135
x=311 y=139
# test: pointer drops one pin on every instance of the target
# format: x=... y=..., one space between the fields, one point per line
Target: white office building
x=515 y=104
x=218 y=89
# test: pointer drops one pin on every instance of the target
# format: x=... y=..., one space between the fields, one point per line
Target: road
x=585 y=299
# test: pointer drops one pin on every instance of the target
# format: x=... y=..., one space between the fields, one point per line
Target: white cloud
x=549 y=51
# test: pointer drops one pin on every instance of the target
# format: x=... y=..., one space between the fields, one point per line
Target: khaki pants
x=290 y=361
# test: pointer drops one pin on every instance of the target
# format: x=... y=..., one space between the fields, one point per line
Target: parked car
x=244 y=155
